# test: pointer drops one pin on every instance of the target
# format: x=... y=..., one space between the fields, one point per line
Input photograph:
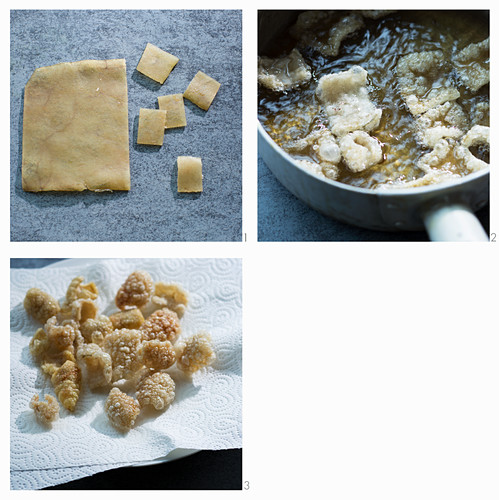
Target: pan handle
x=453 y=223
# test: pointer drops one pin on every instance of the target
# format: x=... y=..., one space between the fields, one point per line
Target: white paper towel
x=206 y=413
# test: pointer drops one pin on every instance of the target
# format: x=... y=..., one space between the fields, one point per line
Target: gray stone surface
x=283 y=217
x=206 y=40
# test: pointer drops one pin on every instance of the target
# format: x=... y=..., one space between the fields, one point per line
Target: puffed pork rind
x=360 y=151
x=95 y=329
x=40 y=305
x=77 y=289
x=473 y=65
x=46 y=411
x=195 y=352
x=478 y=135
x=157 y=354
x=66 y=380
x=157 y=390
x=121 y=409
x=161 y=325
x=98 y=365
x=283 y=73
x=129 y=318
x=169 y=295
x=124 y=348
x=135 y=291
x=345 y=99
x=425 y=81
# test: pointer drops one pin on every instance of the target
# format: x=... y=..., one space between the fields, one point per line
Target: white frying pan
x=446 y=210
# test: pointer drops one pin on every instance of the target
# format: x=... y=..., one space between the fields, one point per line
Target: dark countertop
x=206 y=40
x=283 y=217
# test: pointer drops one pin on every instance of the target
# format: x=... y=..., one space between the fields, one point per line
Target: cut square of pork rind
x=156 y=63
x=75 y=128
x=424 y=81
x=189 y=174
x=151 y=127
x=173 y=104
x=202 y=90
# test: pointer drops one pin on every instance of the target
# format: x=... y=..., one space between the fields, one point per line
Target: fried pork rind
x=121 y=409
x=425 y=81
x=345 y=99
x=66 y=380
x=124 y=348
x=129 y=318
x=161 y=325
x=95 y=329
x=78 y=290
x=40 y=305
x=157 y=390
x=168 y=295
x=98 y=364
x=79 y=310
x=135 y=291
x=195 y=352
x=45 y=411
x=283 y=73
x=157 y=355
x=446 y=120
x=309 y=33
x=472 y=65
x=54 y=343
x=360 y=151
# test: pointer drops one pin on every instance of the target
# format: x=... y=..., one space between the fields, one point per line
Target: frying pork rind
x=345 y=99
x=157 y=390
x=75 y=128
x=424 y=81
x=446 y=120
x=309 y=34
x=156 y=63
x=476 y=136
x=121 y=409
x=472 y=65
x=45 y=411
x=360 y=151
x=283 y=73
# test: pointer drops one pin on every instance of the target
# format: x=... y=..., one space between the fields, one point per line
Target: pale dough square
x=202 y=90
x=189 y=174
x=151 y=127
x=75 y=127
x=175 y=110
x=156 y=63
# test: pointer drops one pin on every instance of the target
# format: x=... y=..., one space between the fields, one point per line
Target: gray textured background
x=206 y=40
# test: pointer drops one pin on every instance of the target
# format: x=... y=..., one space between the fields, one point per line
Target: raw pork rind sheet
x=206 y=413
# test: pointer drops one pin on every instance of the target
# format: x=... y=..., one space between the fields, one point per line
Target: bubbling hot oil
x=377 y=48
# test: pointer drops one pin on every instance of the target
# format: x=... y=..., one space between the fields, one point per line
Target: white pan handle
x=453 y=223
